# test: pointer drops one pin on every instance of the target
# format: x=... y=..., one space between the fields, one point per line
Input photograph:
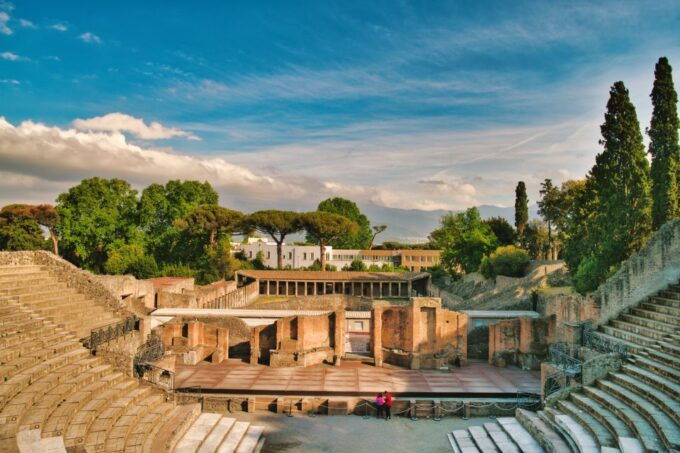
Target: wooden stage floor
x=357 y=379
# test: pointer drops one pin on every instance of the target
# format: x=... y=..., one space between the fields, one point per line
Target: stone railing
x=239 y=298
x=82 y=281
x=651 y=269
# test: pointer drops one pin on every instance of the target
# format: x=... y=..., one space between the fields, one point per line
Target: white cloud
x=4 y=28
x=10 y=81
x=90 y=38
x=120 y=122
x=59 y=27
x=26 y=23
x=9 y=56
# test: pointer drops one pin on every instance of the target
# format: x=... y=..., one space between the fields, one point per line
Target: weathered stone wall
x=651 y=269
x=568 y=312
x=418 y=335
x=599 y=366
x=521 y=341
x=82 y=281
x=124 y=286
x=193 y=341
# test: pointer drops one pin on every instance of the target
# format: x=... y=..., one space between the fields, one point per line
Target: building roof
x=250 y=313
x=335 y=276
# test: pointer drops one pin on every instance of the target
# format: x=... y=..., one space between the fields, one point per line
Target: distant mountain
x=414 y=225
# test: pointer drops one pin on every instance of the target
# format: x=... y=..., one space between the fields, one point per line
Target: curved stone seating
x=55 y=395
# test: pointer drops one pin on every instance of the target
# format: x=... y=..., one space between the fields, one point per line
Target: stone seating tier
x=56 y=396
x=634 y=409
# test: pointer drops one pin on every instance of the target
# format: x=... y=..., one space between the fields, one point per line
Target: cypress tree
x=621 y=181
x=663 y=146
x=521 y=208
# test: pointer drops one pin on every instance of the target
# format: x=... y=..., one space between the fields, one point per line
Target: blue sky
x=419 y=105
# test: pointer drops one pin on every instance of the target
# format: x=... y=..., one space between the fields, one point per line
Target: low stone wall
x=651 y=269
x=82 y=281
x=599 y=366
x=127 y=286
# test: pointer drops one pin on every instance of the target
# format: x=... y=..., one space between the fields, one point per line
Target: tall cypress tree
x=621 y=181
x=663 y=146
x=521 y=208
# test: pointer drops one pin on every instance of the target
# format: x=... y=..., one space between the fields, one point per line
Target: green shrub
x=590 y=273
x=509 y=261
x=143 y=267
x=177 y=270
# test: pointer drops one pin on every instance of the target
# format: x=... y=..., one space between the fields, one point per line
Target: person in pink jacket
x=379 y=405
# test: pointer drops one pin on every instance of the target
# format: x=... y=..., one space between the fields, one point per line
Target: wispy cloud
x=26 y=23
x=120 y=122
x=4 y=28
x=10 y=56
x=10 y=81
x=90 y=37
x=59 y=27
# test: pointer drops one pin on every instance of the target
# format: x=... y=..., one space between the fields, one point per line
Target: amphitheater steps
x=214 y=433
x=597 y=430
x=168 y=434
x=541 y=430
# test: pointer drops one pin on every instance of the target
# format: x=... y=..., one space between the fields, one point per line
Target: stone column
x=339 y=340
x=255 y=344
x=222 y=348
x=195 y=334
x=376 y=336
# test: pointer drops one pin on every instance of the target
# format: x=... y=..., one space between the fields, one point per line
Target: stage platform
x=477 y=379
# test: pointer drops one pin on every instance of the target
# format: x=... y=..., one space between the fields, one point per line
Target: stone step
x=81 y=421
x=233 y=438
x=29 y=287
x=15 y=409
x=637 y=340
x=218 y=433
x=670 y=294
x=98 y=431
x=597 y=430
x=481 y=439
x=41 y=298
x=675 y=303
x=134 y=442
x=519 y=435
x=250 y=439
x=664 y=358
x=462 y=441
x=500 y=438
x=644 y=331
x=28 y=332
x=670 y=319
x=19 y=268
x=666 y=428
x=452 y=443
x=617 y=428
x=57 y=422
x=654 y=380
x=31 y=352
x=650 y=323
x=195 y=435
x=34 y=280
x=36 y=416
x=660 y=308
x=541 y=431
x=40 y=368
x=642 y=428
x=169 y=433
x=548 y=415
x=659 y=368
x=670 y=348
x=115 y=439
x=585 y=442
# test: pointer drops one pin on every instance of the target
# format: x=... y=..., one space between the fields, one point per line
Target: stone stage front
x=477 y=379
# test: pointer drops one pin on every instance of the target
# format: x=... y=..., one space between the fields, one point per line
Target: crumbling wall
x=419 y=335
x=194 y=341
x=651 y=269
x=521 y=341
x=127 y=286
x=569 y=311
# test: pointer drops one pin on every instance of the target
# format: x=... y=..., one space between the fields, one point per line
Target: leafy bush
x=177 y=270
x=509 y=261
x=590 y=273
x=374 y=268
x=143 y=267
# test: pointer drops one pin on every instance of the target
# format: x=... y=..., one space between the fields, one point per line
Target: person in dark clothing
x=388 y=405
x=379 y=405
